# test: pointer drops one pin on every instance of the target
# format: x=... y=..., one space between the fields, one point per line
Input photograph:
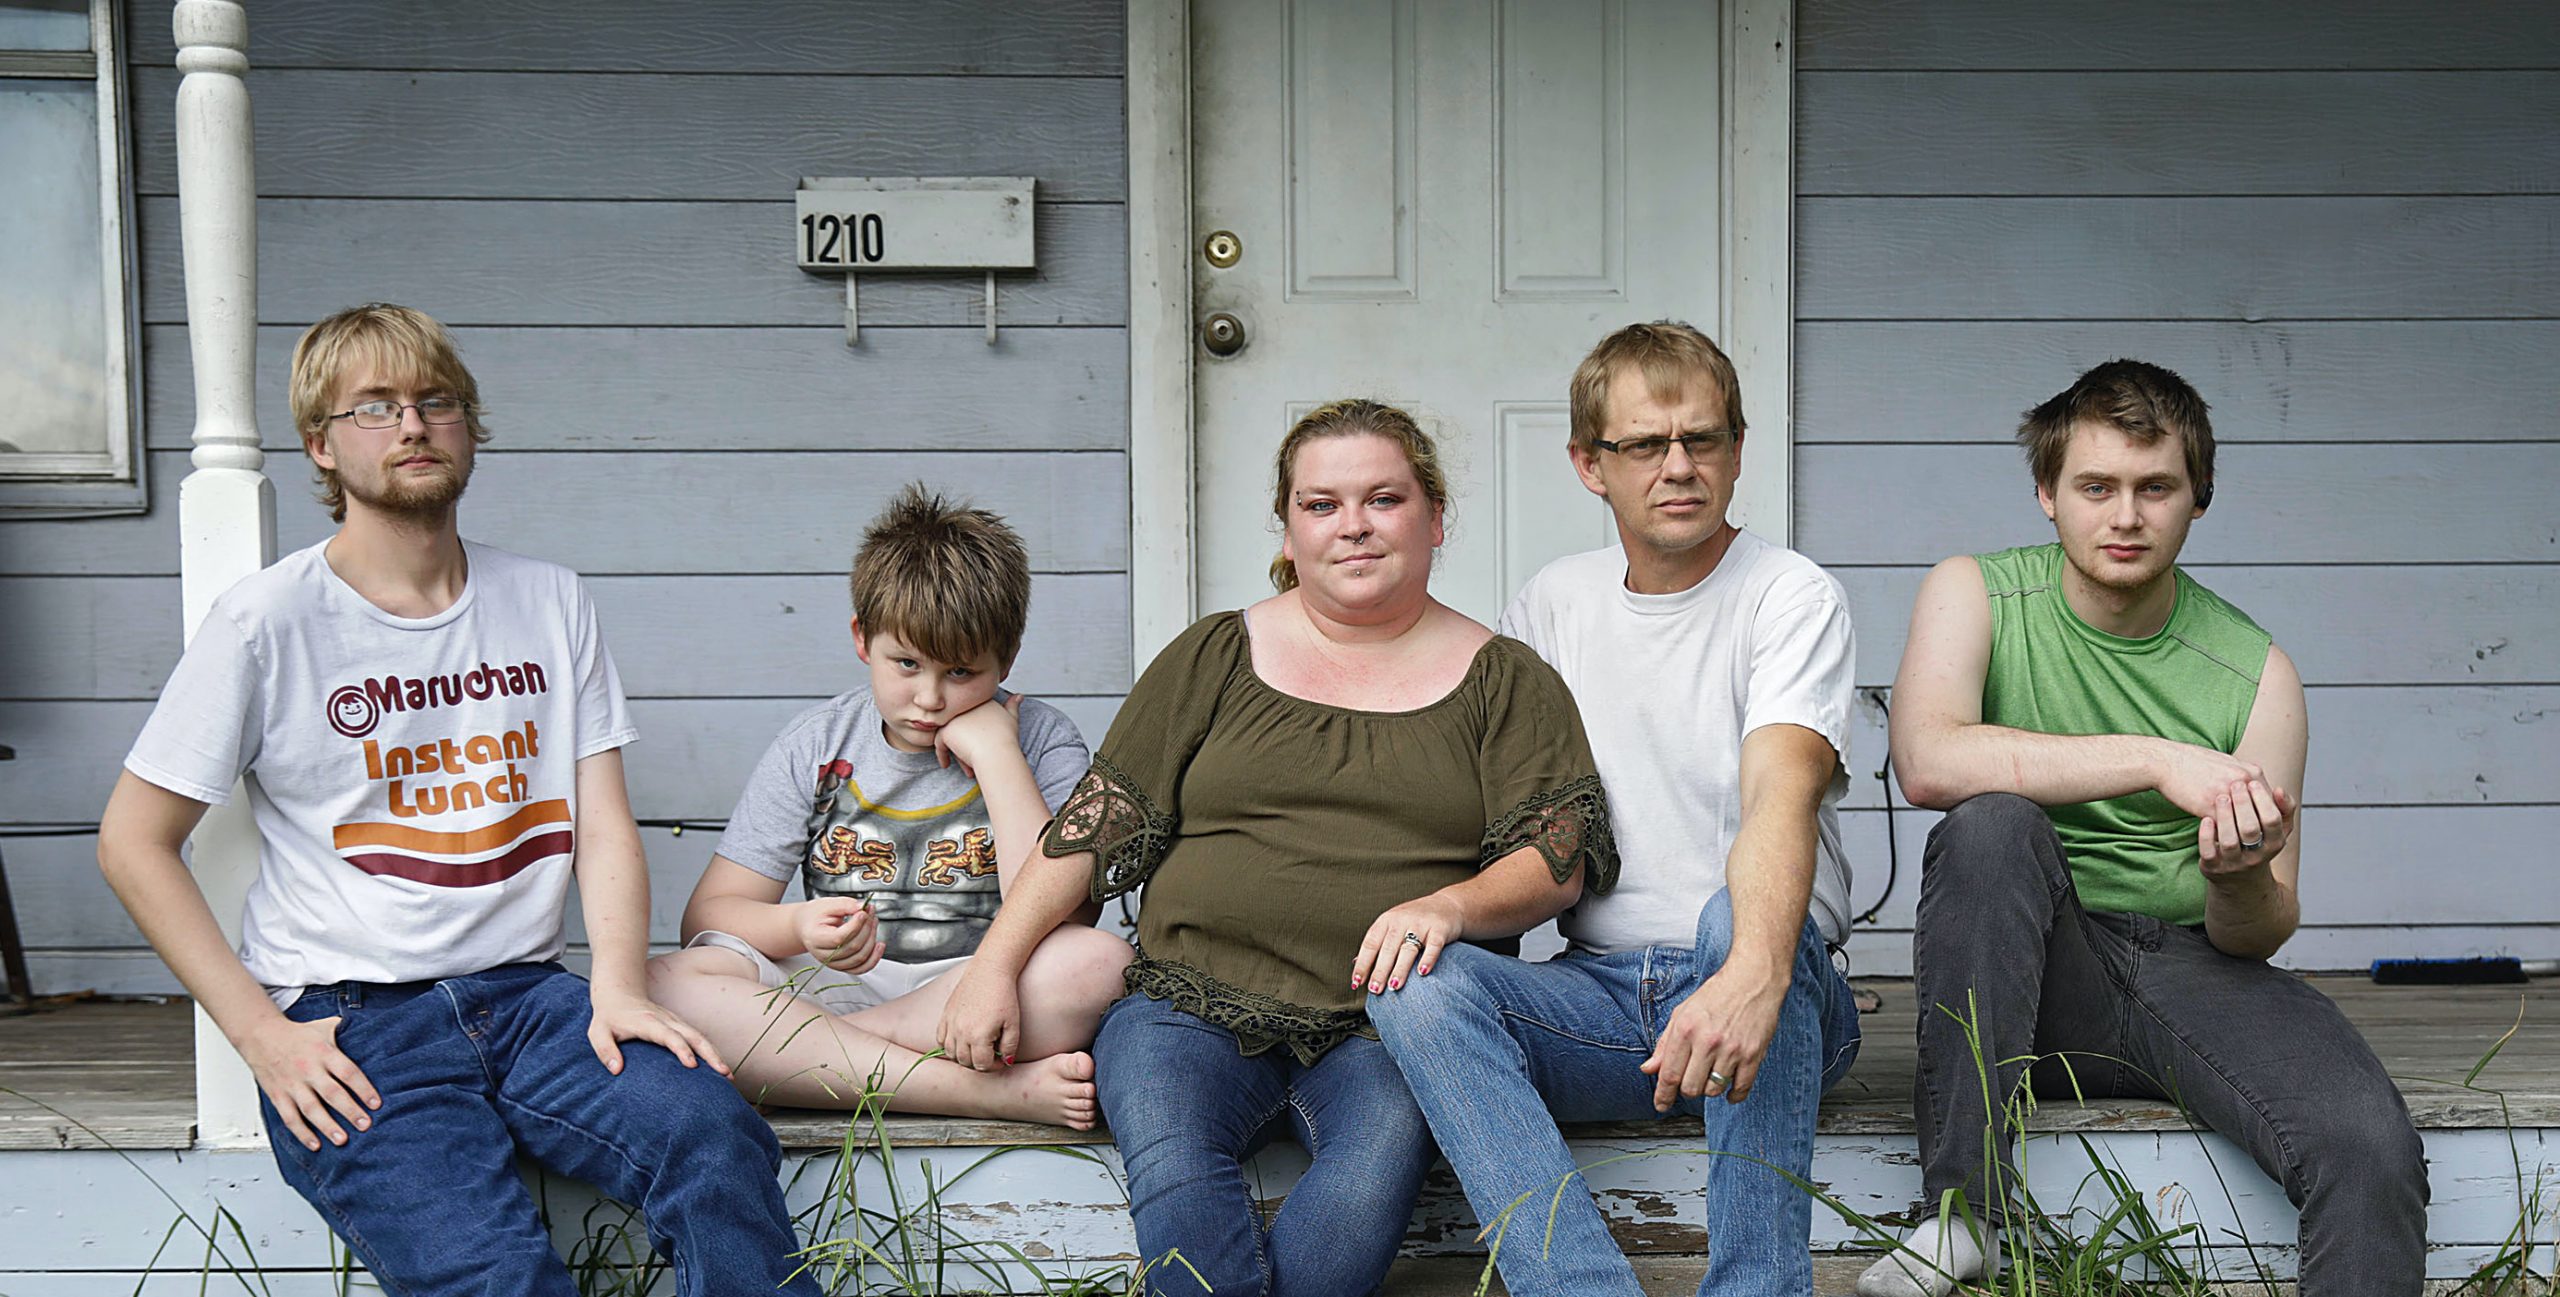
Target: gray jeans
x=2151 y=1009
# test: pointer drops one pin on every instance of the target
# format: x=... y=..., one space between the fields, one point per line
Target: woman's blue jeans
x=1498 y=1051
x=473 y=1070
x=1188 y=1109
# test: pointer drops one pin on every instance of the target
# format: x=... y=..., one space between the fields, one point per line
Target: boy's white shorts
x=838 y=993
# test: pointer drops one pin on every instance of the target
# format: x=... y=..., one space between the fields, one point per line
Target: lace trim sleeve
x=1569 y=825
x=1110 y=816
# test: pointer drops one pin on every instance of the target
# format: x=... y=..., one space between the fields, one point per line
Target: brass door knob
x=1223 y=249
x=1222 y=334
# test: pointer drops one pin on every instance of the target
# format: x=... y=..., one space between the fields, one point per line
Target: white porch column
x=226 y=506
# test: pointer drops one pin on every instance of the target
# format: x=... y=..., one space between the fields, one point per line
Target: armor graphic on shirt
x=842 y=849
x=929 y=872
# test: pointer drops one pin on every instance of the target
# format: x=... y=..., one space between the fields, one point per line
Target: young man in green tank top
x=2119 y=753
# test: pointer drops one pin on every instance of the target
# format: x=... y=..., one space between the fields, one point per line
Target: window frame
x=113 y=478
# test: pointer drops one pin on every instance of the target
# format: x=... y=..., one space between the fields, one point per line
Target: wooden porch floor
x=92 y=1074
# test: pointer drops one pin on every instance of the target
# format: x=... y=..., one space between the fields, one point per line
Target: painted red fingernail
x=1396 y=985
x=1008 y=1060
x=1424 y=971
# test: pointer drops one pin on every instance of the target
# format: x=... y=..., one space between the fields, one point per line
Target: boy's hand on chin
x=972 y=737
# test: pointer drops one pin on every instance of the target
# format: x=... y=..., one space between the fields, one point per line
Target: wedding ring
x=1718 y=1078
x=2252 y=846
x=1413 y=940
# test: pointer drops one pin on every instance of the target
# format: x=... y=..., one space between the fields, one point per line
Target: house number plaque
x=856 y=225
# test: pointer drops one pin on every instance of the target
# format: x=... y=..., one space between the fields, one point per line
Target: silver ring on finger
x=1718 y=1078
x=1413 y=939
x=2252 y=846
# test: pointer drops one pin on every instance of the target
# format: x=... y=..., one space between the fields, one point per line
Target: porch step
x=1435 y=1276
x=1058 y=1196
x=124 y=1071
x=1833 y=1276
x=2428 y=1038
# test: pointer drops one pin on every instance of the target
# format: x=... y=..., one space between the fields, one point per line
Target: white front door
x=1442 y=204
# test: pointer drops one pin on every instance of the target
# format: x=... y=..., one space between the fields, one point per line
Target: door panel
x=1349 y=95
x=1443 y=204
x=1559 y=125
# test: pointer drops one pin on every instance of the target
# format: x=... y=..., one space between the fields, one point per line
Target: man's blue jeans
x=1187 y=1109
x=1498 y=1051
x=473 y=1069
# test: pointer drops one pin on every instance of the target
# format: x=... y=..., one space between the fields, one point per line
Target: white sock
x=1938 y=1253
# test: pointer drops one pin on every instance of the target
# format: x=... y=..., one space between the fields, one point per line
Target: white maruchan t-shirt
x=414 y=780
x=1668 y=686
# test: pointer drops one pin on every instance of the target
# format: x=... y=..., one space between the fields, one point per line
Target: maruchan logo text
x=355 y=709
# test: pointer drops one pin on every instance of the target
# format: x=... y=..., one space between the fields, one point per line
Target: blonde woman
x=1320 y=792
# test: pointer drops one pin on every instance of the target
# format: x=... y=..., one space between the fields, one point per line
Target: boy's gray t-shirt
x=850 y=815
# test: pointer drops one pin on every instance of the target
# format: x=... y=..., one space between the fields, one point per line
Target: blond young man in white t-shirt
x=1713 y=672
x=430 y=732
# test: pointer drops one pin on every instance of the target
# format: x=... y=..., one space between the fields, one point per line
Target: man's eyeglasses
x=1644 y=452
x=378 y=415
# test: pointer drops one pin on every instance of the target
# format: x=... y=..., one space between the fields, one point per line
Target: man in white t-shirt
x=1713 y=671
x=430 y=732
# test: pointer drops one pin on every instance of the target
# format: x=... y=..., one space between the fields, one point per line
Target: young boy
x=903 y=811
x=431 y=732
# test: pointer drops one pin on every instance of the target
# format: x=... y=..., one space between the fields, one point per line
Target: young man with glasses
x=2119 y=753
x=1713 y=673
x=431 y=734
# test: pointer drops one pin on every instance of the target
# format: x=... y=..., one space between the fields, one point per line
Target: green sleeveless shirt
x=2193 y=682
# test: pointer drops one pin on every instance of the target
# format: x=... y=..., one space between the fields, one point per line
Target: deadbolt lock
x=1222 y=334
x=1223 y=249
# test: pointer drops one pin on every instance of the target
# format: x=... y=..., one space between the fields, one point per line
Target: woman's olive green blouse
x=1270 y=831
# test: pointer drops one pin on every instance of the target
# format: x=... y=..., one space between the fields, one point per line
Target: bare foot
x=1057 y=1090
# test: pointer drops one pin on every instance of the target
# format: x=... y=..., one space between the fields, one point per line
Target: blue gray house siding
x=2345 y=229
x=599 y=200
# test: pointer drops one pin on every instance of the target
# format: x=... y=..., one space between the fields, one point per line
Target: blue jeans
x=473 y=1069
x=1187 y=1109
x=1498 y=1051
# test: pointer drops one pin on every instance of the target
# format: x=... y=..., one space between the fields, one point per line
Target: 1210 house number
x=849 y=240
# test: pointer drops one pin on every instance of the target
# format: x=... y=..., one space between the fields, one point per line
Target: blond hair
x=404 y=347
x=1353 y=418
x=1671 y=355
x=951 y=582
